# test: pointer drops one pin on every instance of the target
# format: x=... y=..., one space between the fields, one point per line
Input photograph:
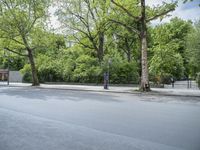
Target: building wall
x=15 y=76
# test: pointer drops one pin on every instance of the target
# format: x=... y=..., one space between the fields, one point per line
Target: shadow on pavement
x=52 y=94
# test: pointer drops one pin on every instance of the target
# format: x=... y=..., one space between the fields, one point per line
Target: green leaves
x=169 y=46
x=160 y=11
x=166 y=61
x=19 y=18
x=192 y=53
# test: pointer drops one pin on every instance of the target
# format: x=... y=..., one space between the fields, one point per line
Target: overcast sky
x=187 y=11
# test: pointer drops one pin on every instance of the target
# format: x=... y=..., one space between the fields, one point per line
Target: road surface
x=47 y=119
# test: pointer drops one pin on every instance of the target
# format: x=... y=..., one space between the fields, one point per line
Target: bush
x=26 y=72
x=27 y=78
x=121 y=71
x=198 y=79
x=87 y=69
x=49 y=68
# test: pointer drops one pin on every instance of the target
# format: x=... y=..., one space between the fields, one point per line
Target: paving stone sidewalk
x=114 y=89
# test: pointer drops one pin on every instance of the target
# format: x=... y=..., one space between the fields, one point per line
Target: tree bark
x=101 y=46
x=33 y=69
x=144 y=85
x=128 y=49
x=32 y=63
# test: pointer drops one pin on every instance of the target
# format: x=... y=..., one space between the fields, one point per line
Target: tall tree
x=145 y=15
x=192 y=54
x=85 y=22
x=169 y=43
x=18 y=20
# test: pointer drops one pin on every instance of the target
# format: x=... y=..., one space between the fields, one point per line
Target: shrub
x=26 y=72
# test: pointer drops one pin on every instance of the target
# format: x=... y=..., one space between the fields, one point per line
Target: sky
x=187 y=11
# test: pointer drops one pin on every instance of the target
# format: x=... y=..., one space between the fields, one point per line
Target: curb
x=107 y=91
x=122 y=92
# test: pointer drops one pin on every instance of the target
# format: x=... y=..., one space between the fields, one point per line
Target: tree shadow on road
x=52 y=94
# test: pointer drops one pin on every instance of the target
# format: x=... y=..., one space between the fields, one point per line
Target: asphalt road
x=34 y=119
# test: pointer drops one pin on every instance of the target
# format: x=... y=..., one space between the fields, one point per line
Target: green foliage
x=120 y=70
x=46 y=42
x=76 y=65
x=97 y=28
x=192 y=53
x=26 y=72
x=168 y=50
x=86 y=68
x=166 y=62
x=12 y=61
x=86 y=23
x=48 y=69
x=19 y=19
x=126 y=72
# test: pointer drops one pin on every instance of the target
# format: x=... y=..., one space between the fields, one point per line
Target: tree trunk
x=128 y=49
x=32 y=62
x=33 y=69
x=143 y=39
x=101 y=46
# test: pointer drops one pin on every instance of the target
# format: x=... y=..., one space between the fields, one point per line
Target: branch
x=90 y=9
x=32 y=24
x=81 y=43
x=79 y=30
x=78 y=17
x=13 y=14
x=126 y=26
x=17 y=41
x=15 y=52
x=125 y=10
x=10 y=38
x=159 y=15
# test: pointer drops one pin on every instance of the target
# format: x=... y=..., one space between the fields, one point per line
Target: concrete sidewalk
x=115 y=89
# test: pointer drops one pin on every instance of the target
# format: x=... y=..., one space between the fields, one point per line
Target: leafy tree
x=192 y=54
x=18 y=20
x=123 y=41
x=48 y=43
x=120 y=70
x=86 y=23
x=86 y=68
x=166 y=62
x=168 y=49
x=141 y=15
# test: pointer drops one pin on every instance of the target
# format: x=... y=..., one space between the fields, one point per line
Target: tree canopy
x=98 y=36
